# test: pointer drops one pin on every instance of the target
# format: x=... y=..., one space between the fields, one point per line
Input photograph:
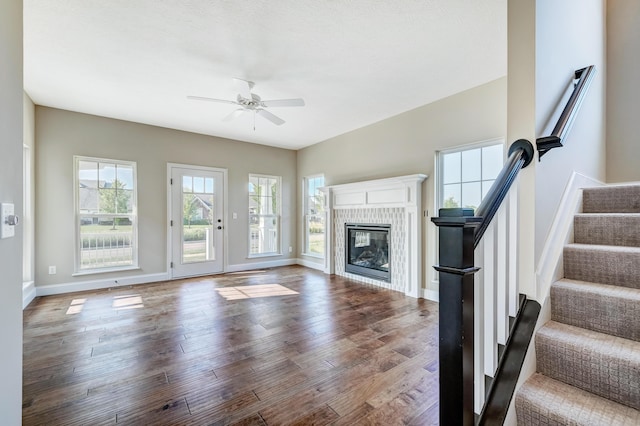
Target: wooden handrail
x=582 y=79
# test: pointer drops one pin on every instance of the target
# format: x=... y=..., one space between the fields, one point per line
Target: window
x=106 y=214
x=264 y=215
x=467 y=174
x=314 y=216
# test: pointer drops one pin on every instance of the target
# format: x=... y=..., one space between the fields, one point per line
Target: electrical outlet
x=52 y=270
x=290 y=249
x=235 y=215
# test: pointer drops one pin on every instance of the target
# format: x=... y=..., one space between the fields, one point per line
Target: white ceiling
x=355 y=62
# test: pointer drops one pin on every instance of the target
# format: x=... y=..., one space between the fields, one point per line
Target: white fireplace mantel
x=402 y=192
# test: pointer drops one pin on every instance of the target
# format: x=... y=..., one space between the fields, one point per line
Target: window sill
x=104 y=271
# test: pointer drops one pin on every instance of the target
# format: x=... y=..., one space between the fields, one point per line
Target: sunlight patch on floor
x=76 y=306
x=254 y=291
x=133 y=301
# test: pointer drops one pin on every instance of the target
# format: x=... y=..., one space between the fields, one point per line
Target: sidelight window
x=264 y=215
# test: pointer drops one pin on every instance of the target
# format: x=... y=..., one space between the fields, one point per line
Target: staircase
x=588 y=354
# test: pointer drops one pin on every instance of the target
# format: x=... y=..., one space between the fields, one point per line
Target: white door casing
x=196 y=220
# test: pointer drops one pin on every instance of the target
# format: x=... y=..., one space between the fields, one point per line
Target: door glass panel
x=197 y=219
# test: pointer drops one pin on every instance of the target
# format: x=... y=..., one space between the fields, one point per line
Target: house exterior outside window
x=314 y=216
x=106 y=215
x=264 y=215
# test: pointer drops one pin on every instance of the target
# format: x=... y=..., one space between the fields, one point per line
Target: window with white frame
x=264 y=215
x=466 y=174
x=106 y=214
x=314 y=216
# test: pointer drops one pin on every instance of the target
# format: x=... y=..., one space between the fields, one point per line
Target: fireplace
x=367 y=250
x=390 y=205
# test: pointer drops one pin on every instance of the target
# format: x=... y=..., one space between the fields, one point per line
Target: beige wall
x=521 y=105
x=407 y=143
x=11 y=192
x=623 y=90
x=565 y=41
x=62 y=134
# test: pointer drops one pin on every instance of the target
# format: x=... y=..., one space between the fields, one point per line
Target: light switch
x=8 y=220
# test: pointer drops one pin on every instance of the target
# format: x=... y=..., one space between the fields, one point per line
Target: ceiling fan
x=251 y=102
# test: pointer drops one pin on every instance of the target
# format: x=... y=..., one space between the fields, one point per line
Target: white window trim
x=76 y=198
x=305 y=209
x=277 y=216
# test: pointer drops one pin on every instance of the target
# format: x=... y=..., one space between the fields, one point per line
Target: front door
x=197 y=220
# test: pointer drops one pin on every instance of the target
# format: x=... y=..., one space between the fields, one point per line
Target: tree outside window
x=106 y=214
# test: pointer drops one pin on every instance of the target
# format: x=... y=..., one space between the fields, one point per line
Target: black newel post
x=456 y=268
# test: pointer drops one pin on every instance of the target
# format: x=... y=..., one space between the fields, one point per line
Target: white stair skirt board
x=550 y=265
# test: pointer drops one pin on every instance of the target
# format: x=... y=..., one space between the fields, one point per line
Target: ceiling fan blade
x=235 y=114
x=201 y=98
x=283 y=103
x=272 y=118
x=243 y=87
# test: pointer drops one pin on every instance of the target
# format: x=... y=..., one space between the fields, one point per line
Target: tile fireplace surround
x=393 y=201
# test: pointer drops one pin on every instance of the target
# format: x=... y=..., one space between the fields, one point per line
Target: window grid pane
x=314 y=217
x=105 y=208
x=264 y=214
x=468 y=174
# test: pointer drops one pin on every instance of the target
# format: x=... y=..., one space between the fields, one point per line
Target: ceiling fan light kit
x=252 y=102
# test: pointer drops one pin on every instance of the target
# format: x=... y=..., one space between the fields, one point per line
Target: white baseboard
x=261 y=265
x=100 y=284
x=433 y=295
x=310 y=264
x=561 y=232
x=28 y=293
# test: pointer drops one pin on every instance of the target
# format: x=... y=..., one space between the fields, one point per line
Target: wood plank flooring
x=283 y=346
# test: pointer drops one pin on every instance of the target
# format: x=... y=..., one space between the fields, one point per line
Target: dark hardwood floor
x=282 y=346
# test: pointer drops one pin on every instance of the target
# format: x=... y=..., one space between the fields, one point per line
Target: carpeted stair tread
x=611 y=199
x=613 y=265
x=604 y=308
x=599 y=363
x=544 y=401
x=616 y=229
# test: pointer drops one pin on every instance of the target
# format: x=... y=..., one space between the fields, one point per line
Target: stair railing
x=480 y=314
x=581 y=82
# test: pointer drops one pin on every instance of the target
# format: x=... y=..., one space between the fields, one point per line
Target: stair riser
x=614 y=315
x=604 y=267
x=616 y=199
x=604 y=372
x=607 y=230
